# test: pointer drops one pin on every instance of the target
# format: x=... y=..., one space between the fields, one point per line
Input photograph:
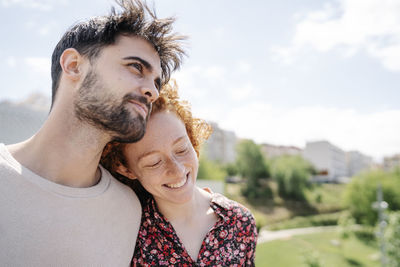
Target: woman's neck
x=189 y=211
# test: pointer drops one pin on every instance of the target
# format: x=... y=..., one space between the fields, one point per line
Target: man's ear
x=121 y=169
x=71 y=63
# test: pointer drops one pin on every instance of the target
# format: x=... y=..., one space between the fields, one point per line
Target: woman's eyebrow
x=156 y=151
x=146 y=154
x=178 y=139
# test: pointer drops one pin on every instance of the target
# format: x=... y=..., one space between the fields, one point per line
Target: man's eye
x=137 y=66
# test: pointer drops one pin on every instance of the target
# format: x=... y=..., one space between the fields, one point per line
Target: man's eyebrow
x=146 y=64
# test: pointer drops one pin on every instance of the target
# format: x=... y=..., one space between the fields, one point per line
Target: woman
x=181 y=224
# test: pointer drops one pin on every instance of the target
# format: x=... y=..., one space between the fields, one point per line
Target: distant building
x=271 y=151
x=221 y=145
x=357 y=162
x=329 y=160
x=389 y=163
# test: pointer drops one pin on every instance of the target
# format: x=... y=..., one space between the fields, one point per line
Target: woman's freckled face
x=164 y=161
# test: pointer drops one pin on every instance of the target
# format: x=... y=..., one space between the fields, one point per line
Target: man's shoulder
x=118 y=188
x=7 y=163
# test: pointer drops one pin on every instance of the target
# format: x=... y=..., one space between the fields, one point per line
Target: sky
x=278 y=72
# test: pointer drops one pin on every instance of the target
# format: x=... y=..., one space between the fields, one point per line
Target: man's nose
x=150 y=91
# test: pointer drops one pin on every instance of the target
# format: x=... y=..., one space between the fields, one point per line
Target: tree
x=250 y=161
x=360 y=194
x=252 y=166
x=231 y=169
x=292 y=174
x=210 y=170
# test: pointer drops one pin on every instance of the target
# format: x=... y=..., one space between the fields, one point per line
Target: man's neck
x=64 y=151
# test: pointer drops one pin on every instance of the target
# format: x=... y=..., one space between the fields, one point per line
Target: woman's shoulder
x=231 y=209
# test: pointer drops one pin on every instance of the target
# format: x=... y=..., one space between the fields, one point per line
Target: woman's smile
x=178 y=184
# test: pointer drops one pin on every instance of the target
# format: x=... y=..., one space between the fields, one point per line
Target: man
x=58 y=206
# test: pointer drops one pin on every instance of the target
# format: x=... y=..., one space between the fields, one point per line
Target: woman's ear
x=121 y=169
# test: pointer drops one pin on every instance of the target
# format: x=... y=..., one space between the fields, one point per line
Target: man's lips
x=141 y=108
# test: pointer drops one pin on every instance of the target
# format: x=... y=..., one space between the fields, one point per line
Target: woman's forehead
x=162 y=130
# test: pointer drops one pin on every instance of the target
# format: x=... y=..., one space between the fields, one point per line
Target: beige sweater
x=46 y=224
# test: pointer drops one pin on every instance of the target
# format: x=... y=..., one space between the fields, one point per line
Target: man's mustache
x=140 y=99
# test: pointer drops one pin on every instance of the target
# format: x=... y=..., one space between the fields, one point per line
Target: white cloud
x=285 y=55
x=196 y=81
x=375 y=134
x=389 y=55
x=39 y=65
x=41 y=29
x=214 y=72
x=44 y=5
x=241 y=93
x=218 y=32
x=243 y=66
x=11 y=61
x=351 y=25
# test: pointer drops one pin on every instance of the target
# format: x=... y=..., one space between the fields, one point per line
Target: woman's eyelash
x=180 y=151
x=153 y=165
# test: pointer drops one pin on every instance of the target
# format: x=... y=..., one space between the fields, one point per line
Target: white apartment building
x=221 y=146
x=329 y=160
x=389 y=163
x=271 y=151
x=357 y=162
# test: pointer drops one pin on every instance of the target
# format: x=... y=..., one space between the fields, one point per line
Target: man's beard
x=96 y=106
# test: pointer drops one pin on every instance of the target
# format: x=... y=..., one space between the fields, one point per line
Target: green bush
x=392 y=236
x=250 y=161
x=292 y=174
x=260 y=219
x=252 y=166
x=366 y=234
x=346 y=225
x=231 y=169
x=312 y=259
x=256 y=191
x=210 y=170
x=360 y=194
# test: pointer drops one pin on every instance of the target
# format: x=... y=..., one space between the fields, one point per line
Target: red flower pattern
x=231 y=242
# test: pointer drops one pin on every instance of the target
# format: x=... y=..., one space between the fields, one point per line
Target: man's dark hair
x=136 y=19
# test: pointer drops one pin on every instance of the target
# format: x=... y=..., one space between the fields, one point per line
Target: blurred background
x=303 y=97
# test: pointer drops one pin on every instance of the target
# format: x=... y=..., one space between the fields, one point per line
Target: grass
x=327 y=247
x=321 y=199
x=307 y=221
x=326 y=197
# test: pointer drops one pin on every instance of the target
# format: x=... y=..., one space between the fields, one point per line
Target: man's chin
x=129 y=138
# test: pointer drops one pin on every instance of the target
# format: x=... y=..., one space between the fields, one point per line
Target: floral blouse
x=230 y=242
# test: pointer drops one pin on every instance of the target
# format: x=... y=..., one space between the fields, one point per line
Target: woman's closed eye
x=152 y=164
x=182 y=150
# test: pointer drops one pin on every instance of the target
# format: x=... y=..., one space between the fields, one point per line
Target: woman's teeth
x=177 y=185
